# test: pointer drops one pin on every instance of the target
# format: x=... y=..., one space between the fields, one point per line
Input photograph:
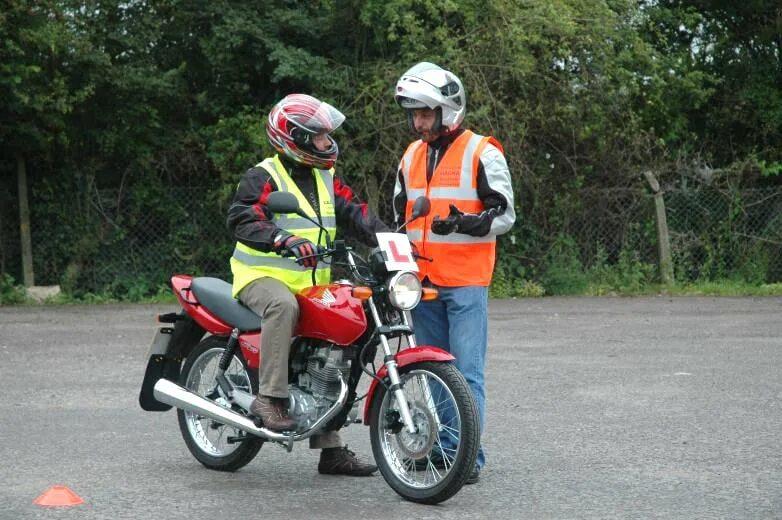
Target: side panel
x=331 y=313
x=250 y=344
x=404 y=358
x=208 y=321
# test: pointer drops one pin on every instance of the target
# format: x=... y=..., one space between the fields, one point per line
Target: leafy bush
x=564 y=273
x=10 y=293
x=504 y=285
x=628 y=274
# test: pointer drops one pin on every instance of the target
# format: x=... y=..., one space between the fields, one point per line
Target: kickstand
x=289 y=444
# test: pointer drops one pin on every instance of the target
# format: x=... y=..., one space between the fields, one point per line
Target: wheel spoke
x=452 y=432
x=202 y=380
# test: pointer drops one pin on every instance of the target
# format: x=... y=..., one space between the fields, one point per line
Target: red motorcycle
x=422 y=418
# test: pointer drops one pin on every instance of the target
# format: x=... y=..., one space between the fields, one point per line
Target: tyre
x=433 y=464
x=208 y=440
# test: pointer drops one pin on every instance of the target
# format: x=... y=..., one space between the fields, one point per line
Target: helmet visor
x=317 y=117
x=410 y=103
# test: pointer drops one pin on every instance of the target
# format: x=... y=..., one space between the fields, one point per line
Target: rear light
x=171 y=317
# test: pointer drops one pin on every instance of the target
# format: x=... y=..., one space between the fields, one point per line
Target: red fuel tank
x=331 y=313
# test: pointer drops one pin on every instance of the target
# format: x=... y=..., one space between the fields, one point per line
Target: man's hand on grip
x=293 y=245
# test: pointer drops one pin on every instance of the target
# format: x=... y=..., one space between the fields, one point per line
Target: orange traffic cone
x=59 y=496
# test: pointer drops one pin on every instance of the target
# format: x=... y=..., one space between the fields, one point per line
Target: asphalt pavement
x=597 y=408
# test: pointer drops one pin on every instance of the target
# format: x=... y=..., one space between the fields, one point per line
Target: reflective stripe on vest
x=244 y=254
x=248 y=264
x=459 y=259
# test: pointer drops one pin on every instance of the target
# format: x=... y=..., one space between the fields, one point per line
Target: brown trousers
x=276 y=305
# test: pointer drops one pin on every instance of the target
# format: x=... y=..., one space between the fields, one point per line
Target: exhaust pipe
x=171 y=393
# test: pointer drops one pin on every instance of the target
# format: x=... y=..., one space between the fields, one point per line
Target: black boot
x=342 y=461
x=475 y=475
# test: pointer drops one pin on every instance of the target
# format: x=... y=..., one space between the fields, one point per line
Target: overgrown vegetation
x=10 y=293
x=114 y=107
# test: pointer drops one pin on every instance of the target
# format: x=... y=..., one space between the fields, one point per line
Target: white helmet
x=426 y=85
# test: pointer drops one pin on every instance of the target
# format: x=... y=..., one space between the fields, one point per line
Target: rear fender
x=170 y=346
x=404 y=358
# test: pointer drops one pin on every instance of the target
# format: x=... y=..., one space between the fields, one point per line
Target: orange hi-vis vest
x=459 y=259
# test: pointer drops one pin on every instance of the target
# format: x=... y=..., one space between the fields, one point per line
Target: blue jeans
x=458 y=322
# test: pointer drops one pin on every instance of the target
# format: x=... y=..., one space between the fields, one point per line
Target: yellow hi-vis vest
x=248 y=264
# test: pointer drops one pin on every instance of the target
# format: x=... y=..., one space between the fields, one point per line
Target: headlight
x=404 y=290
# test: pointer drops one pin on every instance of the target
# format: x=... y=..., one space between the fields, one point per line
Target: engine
x=317 y=386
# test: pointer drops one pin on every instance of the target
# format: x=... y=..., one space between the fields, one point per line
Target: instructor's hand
x=449 y=224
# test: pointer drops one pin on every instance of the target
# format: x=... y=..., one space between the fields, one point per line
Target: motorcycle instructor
x=466 y=178
x=273 y=260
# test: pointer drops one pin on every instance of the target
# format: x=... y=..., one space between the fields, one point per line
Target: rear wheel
x=216 y=445
x=432 y=464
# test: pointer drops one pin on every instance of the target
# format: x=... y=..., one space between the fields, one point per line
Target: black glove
x=449 y=224
x=293 y=245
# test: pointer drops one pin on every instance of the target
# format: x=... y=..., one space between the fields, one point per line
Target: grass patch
x=723 y=288
x=502 y=287
x=163 y=296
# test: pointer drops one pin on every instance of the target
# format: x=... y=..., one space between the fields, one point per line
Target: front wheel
x=215 y=445
x=432 y=464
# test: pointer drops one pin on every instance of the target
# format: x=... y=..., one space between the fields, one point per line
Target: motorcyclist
x=273 y=257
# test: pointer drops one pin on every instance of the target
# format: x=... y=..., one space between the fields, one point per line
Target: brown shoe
x=342 y=461
x=273 y=413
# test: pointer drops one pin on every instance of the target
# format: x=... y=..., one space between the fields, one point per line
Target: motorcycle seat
x=215 y=295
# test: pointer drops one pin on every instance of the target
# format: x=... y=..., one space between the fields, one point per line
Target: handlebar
x=338 y=247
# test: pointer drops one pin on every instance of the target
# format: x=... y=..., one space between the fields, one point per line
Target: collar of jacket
x=436 y=149
x=296 y=170
x=444 y=141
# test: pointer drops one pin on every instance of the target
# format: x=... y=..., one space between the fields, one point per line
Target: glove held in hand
x=449 y=224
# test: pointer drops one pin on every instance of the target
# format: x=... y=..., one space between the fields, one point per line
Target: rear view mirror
x=421 y=207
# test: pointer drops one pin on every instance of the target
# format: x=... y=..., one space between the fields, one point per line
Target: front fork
x=393 y=374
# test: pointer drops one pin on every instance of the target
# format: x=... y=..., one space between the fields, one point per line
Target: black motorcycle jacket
x=251 y=223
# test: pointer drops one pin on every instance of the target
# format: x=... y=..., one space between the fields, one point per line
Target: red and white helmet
x=295 y=120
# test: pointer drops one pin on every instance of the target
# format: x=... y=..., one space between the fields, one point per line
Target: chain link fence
x=121 y=242
x=610 y=221
x=129 y=243
x=715 y=233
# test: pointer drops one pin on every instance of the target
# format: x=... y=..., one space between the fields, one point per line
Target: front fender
x=404 y=358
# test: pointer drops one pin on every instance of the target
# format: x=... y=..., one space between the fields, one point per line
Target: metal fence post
x=663 y=239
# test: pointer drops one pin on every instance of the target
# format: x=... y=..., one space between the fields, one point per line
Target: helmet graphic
x=426 y=85
x=295 y=120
